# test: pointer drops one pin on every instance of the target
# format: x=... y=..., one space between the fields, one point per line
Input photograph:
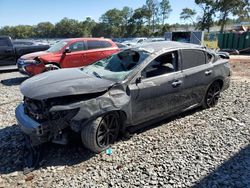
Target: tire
x=101 y=132
x=212 y=96
x=50 y=67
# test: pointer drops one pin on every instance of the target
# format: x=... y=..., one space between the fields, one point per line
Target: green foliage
x=225 y=8
x=19 y=31
x=148 y=20
x=165 y=10
x=205 y=21
x=188 y=14
x=68 y=28
x=44 y=30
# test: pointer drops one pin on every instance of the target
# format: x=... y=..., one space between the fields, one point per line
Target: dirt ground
x=240 y=66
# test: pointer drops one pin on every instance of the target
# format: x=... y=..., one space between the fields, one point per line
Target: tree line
x=148 y=20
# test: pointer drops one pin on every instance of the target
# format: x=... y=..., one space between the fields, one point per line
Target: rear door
x=96 y=50
x=7 y=53
x=159 y=90
x=197 y=75
x=75 y=58
x=107 y=48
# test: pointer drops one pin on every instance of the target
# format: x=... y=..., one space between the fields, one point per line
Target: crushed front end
x=39 y=124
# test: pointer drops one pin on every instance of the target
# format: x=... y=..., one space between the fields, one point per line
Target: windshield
x=57 y=46
x=118 y=66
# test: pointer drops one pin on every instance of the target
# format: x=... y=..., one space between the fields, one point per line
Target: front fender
x=92 y=108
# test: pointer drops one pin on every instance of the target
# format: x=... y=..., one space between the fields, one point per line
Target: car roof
x=157 y=46
x=79 y=39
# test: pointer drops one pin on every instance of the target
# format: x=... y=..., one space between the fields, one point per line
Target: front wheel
x=212 y=96
x=101 y=133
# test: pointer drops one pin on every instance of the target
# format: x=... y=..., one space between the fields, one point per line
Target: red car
x=67 y=53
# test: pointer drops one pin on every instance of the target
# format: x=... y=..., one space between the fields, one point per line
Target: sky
x=31 y=12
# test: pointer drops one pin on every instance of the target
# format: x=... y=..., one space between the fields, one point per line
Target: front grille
x=34 y=109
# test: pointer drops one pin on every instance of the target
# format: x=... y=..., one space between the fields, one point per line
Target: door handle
x=176 y=83
x=208 y=72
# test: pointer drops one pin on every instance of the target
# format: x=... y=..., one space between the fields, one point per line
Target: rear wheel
x=212 y=95
x=50 y=67
x=101 y=133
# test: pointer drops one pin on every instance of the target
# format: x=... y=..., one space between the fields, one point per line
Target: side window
x=77 y=46
x=192 y=58
x=105 y=44
x=163 y=64
x=4 y=42
x=93 y=44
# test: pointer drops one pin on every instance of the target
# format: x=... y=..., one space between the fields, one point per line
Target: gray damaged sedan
x=136 y=86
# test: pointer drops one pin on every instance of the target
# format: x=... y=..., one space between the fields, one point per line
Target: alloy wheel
x=108 y=130
x=213 y=95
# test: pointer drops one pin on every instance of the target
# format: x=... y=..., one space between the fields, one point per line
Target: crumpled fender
x=112 y=100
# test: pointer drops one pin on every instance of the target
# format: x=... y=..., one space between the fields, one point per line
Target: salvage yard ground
x=201 y=148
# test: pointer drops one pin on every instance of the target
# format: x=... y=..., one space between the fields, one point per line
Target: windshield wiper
x=96 y=74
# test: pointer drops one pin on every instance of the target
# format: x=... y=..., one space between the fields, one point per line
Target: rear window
x=192 y=58
x=95 y=44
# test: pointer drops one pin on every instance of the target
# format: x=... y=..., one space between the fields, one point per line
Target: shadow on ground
x=13 y=81
x=234 y=172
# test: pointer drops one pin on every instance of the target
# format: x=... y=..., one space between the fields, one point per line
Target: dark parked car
x=10 y=52
x=137 y=85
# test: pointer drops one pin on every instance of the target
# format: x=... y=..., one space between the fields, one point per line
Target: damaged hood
x=34 y=54
x=63 y=82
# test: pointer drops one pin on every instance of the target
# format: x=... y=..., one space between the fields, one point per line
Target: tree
x=87 y=27
x=113 y=20
x=152 y=12
x=188 y=14
x=137 y=20
x=149 y=6
x=44 y=30
x=165 y=10
x=68 y=28
x=208 y=11
x=231 y=7
x=126 y=14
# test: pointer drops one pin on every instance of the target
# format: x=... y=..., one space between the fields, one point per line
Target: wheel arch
x=219 y=80
x=122 y=116
x=53 y=63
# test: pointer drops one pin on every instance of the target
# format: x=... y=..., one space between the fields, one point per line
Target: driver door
x=74 y=58
x=158 y=89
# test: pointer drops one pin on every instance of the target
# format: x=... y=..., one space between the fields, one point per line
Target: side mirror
x=67 y=50
x=138 y=80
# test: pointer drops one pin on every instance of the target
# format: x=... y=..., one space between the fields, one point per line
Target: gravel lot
x=200 y=148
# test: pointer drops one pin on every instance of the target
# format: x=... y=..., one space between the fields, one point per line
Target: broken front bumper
x=38 y=133
x=30 y=68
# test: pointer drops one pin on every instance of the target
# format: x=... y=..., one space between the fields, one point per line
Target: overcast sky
x=31 y=12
